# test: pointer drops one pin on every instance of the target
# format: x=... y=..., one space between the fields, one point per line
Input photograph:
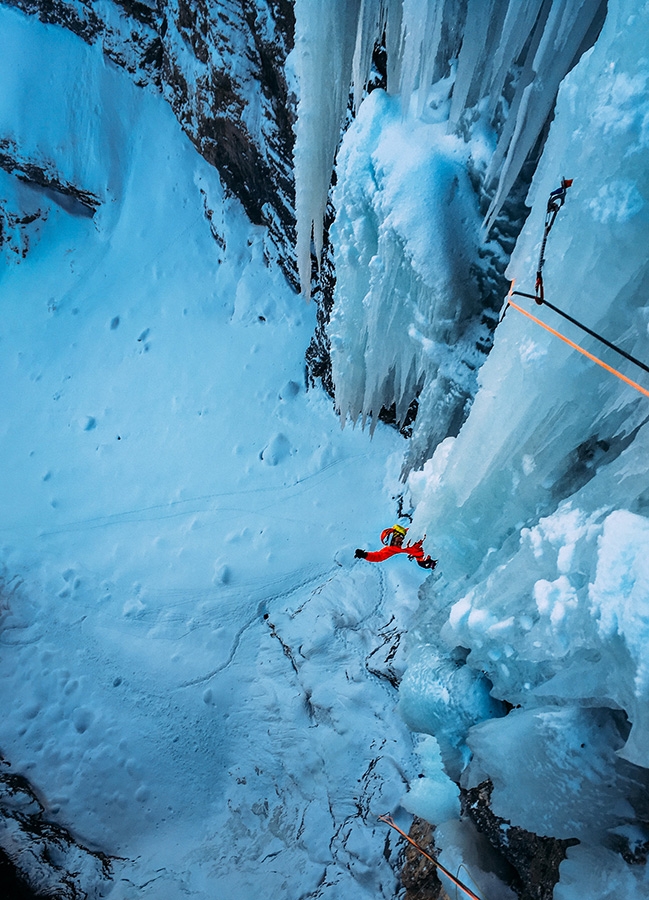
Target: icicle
x=370 y=23
x=475 y=53
x=393 y=43
x=516 y=30
x=405 y=223
x=399 y=293
x=325 y=37
x=420 y=30
x=563 y=36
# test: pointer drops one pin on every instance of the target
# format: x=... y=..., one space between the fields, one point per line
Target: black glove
x=360 y=554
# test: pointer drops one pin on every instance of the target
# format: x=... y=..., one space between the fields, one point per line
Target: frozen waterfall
x=470 y=87
x=561 y=443
x=537 y=505
x=508 y=53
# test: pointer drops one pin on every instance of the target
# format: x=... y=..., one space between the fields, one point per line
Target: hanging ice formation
x=470 y=86
x=538 y=509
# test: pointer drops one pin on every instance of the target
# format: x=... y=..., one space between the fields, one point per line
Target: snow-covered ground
x=196 y=672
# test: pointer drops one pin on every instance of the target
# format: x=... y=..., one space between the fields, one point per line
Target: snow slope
x=196 y=672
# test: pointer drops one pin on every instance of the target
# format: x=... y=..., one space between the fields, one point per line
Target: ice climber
x=393 y=539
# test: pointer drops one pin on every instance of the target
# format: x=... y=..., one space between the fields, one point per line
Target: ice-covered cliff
x=536 y=505
x=429 y=182
x=538 y=508
x=159 y=681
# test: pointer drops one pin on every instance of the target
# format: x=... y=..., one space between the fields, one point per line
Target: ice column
x=421 y=35
x=406 y=229
x=556 y=42
x=325 y=39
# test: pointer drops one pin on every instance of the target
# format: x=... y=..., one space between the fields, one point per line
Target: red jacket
x=414 y=551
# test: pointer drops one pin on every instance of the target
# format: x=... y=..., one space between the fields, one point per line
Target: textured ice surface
x=433 y=795
x=406 y=229
x=538 y=509
x=471 y=86
x=525 y=47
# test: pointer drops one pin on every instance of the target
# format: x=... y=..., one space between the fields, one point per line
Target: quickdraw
x=555 y=201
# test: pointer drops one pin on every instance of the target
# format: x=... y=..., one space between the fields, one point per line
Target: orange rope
x=574 y=346
x=390 y=821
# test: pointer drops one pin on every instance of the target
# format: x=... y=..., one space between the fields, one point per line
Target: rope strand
x=585 y=328
x=456 y=881
x=555 y=202
x=574 y=346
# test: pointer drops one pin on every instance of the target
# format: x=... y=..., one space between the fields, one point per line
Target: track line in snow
x=196 y=505
x=262 y=606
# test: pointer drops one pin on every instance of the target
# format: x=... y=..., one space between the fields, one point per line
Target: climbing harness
x=467 y=890
x=555 y=202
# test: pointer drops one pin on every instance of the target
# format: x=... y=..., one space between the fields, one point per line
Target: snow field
x=197 y=674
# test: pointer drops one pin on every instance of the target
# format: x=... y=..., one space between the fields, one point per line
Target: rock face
x=20 y=218
x=12 y=161
x=419 y=875
x=204 y=58
x=527 y=863
x=52 y=862
x=534 y=860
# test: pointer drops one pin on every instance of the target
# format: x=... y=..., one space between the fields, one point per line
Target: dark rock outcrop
x=21 y=218
x=534 y=860
x=15 y=228
x=526 y=862
x=323 y=283
x=12 y=885
x=38 y=857
x=419 y=875
x=45 y=175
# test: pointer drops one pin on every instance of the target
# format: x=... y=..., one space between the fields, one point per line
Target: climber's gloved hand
x=360 y=554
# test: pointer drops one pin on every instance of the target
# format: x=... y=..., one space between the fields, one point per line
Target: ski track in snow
x=193 y=505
